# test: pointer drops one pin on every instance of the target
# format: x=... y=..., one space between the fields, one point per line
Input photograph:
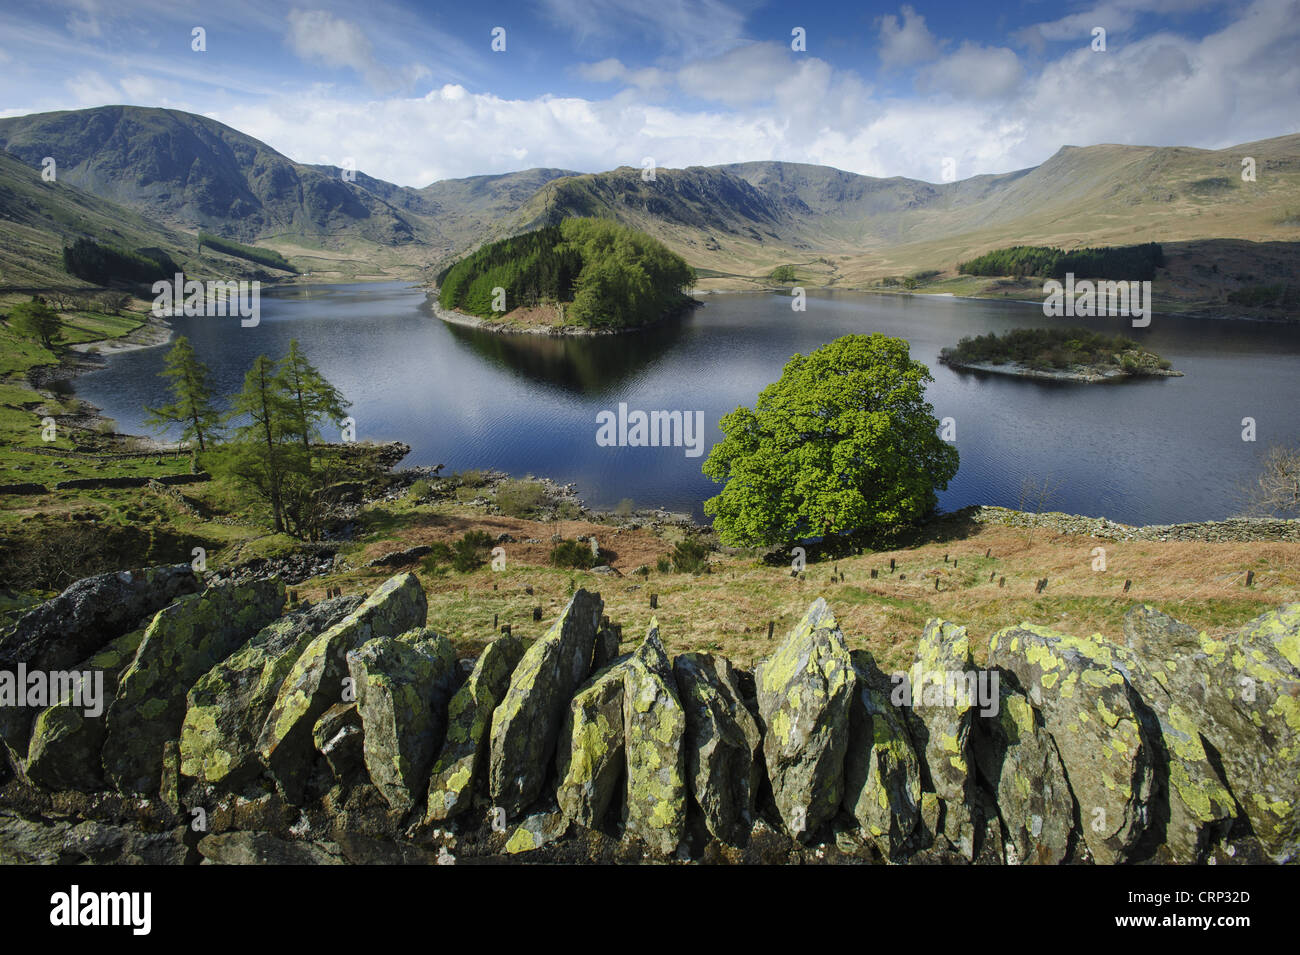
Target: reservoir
x=1162 y=450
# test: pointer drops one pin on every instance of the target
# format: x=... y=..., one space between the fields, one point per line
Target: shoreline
x=93 y=355
x=453 y=317
x=1082 y=374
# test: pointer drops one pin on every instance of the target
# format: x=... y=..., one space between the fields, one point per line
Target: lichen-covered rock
x=77 y=624
x=590 y=755
x=403 y=684
x=1242 y=691
x=90 y=613
x=459 y=768
x=169 y=788
x=882 y=773
x=263 y=848
x=182 y=643
x=66 y=743
x=526 y=725
x=539 y=829
x=1195 y=808
x=61 y=842
x=340 y=739
x=1017 y=756
x=315 y=682
x=1088 y=707
x=723 y=745
x=654 y=724
x=942 y=698
x=805 y=690
x=227 y=708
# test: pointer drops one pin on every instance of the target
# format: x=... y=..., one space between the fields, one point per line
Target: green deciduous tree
x=192 y=391
x=843 y=445
x=36 y=320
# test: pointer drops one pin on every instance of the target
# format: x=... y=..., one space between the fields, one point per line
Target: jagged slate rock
x=169 y=789
x=459 y=768
x=91 y=612
x=102 y=844
x=66 y=741
x=78 y=623
x=403 y=684
x=46 y=842
x=1018 y=758
x=942 y=700
x=723 y=745
x=882 y=772
x=1198 y=809
x=654 y=727
x=339 y=738
x=182 y=643
x=590 y=755
x=805 y=690
x=315 y=682
x=607 y=648
x=526 y=726
x=263 y=848
x=1243 y=689
x=537 y=830
x=1087 y=706
x=227 y=708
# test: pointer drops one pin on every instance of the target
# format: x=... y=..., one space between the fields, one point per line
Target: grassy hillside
x=37 y=219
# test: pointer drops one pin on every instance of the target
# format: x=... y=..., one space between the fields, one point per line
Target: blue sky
x=414 y=92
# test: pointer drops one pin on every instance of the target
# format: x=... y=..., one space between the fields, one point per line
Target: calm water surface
x=1155 y=451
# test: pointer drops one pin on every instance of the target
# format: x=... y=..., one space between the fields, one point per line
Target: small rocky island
x=581 y=277
x=1059 y=354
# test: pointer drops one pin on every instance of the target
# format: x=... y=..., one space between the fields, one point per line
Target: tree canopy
x=843 y=445
x=36 y=320
x=1121 y=263
x=614 y=276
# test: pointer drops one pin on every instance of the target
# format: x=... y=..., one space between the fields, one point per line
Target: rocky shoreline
x=555 y=331
x=239 y=728
x=1079 y=373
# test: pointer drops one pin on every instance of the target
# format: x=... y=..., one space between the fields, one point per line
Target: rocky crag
x=233 y=730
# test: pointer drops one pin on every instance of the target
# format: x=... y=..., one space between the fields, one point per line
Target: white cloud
x=748 y=74
x=319 y=36
x=902 y=44
x=613 y=71
x=974 y=72
x=744 y=102
x=89 y=88
x=1233 y=86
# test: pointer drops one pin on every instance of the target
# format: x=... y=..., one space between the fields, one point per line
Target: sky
x=416 y=92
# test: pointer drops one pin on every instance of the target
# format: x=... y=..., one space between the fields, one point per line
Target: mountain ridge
x=738 y=220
